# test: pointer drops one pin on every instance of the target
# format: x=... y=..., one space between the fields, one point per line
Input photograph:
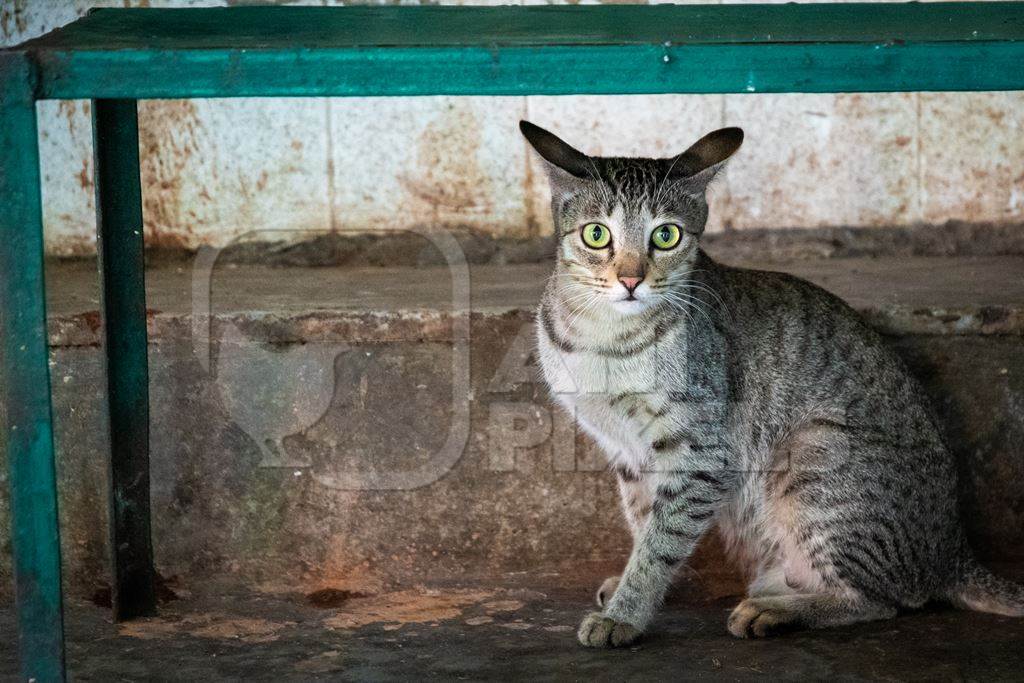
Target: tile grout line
x=328 y=119
x=919 y=160
x=532 y=223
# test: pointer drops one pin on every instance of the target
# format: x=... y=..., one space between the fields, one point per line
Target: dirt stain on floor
x=325 y=662
x=328 y=598
x=148 y=629
x=503 y=605
x=406 y=607
x=207 y=625
x=348 y=610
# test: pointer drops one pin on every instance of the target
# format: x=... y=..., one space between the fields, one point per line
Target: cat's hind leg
x=765 y=616
x=826 y=513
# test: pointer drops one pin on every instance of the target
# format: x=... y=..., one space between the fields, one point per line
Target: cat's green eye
x=596 y=236
x=666 y=236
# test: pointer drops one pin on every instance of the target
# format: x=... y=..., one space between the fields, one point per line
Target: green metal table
x=116 y=57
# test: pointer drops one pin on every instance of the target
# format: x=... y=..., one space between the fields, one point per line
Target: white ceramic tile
x=448 y=162
x=823 y=160
x=65 y=164
x=213 y=170
x=972 y=156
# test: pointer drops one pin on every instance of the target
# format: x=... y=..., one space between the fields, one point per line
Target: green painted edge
x=26 y=374
x=761 y=68
x=245 y=26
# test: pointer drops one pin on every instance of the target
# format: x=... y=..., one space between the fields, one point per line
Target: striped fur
x=751 y=401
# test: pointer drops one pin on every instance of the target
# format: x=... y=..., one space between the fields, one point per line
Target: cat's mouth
x=630 y=300
x=629 y=304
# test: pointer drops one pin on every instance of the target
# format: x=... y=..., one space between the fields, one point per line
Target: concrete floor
x=478 y=632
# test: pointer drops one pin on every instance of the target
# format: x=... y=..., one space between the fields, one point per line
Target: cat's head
x=628 y=227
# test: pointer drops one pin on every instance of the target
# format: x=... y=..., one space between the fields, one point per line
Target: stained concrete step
x=909 y=295
x=364 y=427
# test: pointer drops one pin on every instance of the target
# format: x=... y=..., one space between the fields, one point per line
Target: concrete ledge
x=310 y=379
x=911 y=295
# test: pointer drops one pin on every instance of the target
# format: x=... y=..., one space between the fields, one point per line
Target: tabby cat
x=752 y=401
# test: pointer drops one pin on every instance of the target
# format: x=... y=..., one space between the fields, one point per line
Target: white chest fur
x=620 y=402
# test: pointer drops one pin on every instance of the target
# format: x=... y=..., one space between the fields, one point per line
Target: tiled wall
x=215 y=170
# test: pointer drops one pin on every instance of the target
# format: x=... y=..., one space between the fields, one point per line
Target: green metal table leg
x=120 y=247
x=26 y=378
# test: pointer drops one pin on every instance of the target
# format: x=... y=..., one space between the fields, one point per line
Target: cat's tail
x=980 y=590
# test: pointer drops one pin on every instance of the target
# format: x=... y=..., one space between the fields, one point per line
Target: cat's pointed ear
x=706 y=157
x=565 y=164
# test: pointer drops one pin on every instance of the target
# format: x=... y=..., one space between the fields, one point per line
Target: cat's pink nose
x=630 y=283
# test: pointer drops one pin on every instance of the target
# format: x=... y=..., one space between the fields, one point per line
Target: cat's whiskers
x=680 y=307
x=687 y=285
x=577 y=298
x=686 y=304
x=694 y=271
x=688 y=295
x=575 y=291
x=582 y=309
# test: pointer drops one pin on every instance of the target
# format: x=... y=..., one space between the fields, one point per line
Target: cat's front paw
x=597 y=630
x=607 y=590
